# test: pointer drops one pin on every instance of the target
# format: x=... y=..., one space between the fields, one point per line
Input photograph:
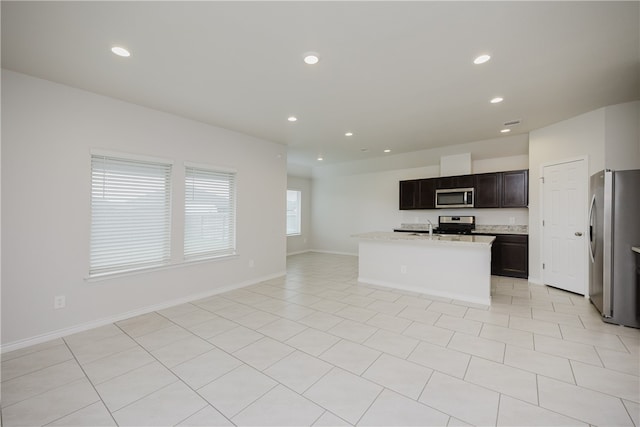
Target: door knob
x=578 y=233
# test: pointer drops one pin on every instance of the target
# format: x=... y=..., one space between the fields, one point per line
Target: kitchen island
x=449 y=266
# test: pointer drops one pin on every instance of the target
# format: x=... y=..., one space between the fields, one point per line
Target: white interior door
x=564 y=228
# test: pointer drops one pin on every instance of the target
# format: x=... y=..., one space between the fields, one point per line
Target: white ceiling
x=399 y=75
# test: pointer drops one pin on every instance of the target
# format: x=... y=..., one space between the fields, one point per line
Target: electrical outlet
x=512 y=220
x=403 y=269
x=59 y=301
x=251 y=263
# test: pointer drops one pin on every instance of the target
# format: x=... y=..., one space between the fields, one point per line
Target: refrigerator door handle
x=591 y=239
x=607 y=244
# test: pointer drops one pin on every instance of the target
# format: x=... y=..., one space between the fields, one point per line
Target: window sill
x=185 y=263
x=294 y=235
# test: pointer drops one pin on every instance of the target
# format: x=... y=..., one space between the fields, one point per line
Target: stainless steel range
x=455 y=225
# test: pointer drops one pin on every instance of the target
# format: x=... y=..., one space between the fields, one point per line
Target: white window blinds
x=210 y=213
x=130 y=214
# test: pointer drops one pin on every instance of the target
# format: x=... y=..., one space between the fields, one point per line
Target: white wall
x=48 y=132
x=622 y=136
x=350 y=204
x=566 y=140
x=302 y=242
x=345 y=204
x=609 y=136
x=0 y=228
x=502 y=147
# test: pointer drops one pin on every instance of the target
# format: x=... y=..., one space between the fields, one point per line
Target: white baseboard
x=16 y=345
x=535 y=280
x=299 y=252
x=322 y=251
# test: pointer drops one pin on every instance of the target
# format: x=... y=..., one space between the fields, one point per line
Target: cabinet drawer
x=512 y=238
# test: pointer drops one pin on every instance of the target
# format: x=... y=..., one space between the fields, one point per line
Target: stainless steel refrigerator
x=614 y=228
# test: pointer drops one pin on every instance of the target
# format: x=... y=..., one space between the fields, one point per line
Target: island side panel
x=459 y=272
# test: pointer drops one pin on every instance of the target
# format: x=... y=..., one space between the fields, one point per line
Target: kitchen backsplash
x=515 y=216
x=497 y=229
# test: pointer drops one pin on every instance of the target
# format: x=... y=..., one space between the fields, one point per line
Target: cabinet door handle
x=578 y=233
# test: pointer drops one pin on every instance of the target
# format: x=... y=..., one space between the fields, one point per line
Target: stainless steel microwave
x=454 y=198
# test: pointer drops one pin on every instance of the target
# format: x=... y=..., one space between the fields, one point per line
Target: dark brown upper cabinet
x=515 y=189
x=427 y=194
x=461 y=181
x=488 y=190
x=502 y=189
x=409 y=194
x=418 y=194
x=492 y=190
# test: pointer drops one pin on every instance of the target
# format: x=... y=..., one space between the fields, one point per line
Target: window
x=210 y=213
x=293 y=212
x=130 y=214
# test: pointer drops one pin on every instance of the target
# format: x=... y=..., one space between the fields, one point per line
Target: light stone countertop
x=436 y=239
x=502 y=229
x=635 y=249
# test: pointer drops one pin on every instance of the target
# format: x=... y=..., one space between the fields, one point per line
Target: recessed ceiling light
x=292 y=118
x=311 y=58
x=481 y=59
x=120 y=51
x=348 y=134
x=387 y=151
x=496 y=100
x=505 y=130
x=320 y=159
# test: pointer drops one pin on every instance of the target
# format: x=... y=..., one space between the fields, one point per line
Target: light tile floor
x=319 y=348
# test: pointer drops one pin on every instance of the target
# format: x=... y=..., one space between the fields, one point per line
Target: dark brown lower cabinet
x=510 y=256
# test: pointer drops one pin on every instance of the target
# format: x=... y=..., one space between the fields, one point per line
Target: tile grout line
x=4 y=355
x=370 y=405
x=90 y=382
x=261 y=372
x=37 y=370
x=278 y=383
x=498 y=408
x=78 y=410
x=178 y=379
x=547 y=409
x=200 y=410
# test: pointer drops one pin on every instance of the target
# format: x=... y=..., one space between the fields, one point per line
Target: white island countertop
x=436 y=239
x=634 y=249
